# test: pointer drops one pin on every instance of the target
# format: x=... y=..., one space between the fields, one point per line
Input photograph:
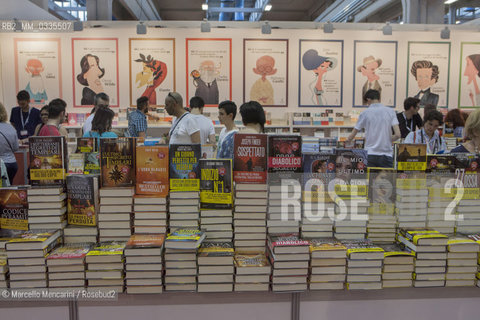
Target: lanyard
x=435 y=144
x=406 y=121
x=26 y=120
x=176 y=124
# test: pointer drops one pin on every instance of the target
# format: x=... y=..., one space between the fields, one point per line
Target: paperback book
x=86 y=145
x=250 y=158
x=14 y=208
x=152 y=171
x=82 y=200
x=284 y=157
x=48 y=160
x=184 y=167
x=216 y=184
x=410 y=157
x=117 y=159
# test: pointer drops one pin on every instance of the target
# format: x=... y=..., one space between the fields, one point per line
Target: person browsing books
x=454 y=120
x=227 y=110
x=429 y=134
x=253 y=117
x=56 y=116
x=44 y=116
x=472 y=135
x=23 y=117
x=8 y=144
x=102 y=124
x=207 y=130
x=100 y=100
x=184 y=128
x=377 y=121
x=409 y=120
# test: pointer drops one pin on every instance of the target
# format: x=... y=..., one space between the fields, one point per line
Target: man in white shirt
x=184 y=129
x=100 y=100
x=377 y=121
x=207 y=130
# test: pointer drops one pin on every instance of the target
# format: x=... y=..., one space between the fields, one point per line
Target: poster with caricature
x=320 y=73
x=209 y=70
x=95 y=70
x=38 y=69
x=152 y=69
x=375 y=68
x=428 y=72
x=266 y=71
x=469 y=88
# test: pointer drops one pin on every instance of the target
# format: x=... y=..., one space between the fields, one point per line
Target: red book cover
x=286 y=240
x=250 y=158
x=72 y=251
x=146 y=241
x=72 y=119
x=152 y=171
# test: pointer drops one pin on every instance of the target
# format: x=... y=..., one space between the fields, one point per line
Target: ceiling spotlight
x=266 y=28
x=445 y=33
x=141 y=28
x=204 y=6
x=205 y=26
x=268 y=7
x=77 y=26
x=387 y=29
x=328 y=27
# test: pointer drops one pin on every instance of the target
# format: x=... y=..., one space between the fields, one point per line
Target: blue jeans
x=380 y=161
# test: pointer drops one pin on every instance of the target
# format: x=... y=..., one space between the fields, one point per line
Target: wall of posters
x=428 y=72
x=95 y=70
x=209 y=70
x=320 y=82
x=38 y=69
x=375 y=65
x=265 y=78
x=469 y=84
x=152 y=69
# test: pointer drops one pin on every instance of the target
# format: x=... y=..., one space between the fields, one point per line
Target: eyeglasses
x=171 y=96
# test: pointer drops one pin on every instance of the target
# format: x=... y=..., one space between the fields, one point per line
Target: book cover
x=395 y=250
x=92 y=163
x=216 y=249
x=48 y=160
x=284 y=157
x=186 y=234
x=409 y=156
x=86 y=145
x=184 y=167
x=72 y=119
x=251 y=260
x=107 y=249
x=325 y=244
x=209 y=151
x=216 y=184
x=82 y=203
x=14 y=208
x=250 y=158
x=364 y=246
x=286 y=240
x=70 y=251
x=351 y=165
x=76 y=163
x=146 y=241
x=35 y=239
x=381 y=185
x=152 y=171
x=319 y=166
x=117 y=160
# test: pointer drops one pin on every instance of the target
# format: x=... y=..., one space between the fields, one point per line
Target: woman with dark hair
x=253 y=117
x=472 y=72
x=472 y=135
x=319 y=65
x=90 y=78
x=44 y=117
x=102 y=124
x=454 y=119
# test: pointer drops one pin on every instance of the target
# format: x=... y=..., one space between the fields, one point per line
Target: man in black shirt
x=409 y=120
x=23 y=117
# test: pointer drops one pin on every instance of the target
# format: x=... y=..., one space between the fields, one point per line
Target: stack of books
x=149 y=215
x=411 y=203
x=364 y=265
x=46 y=208
x=351 y=217
x=80 y=234
x=430 y=248
x=251 y=193
x=4 y=280
x=462 y=258
x=468 y=221
x=27 y=254
x=289 y=256
x=476 y=238
x=105 y=266
x=398 y=267
x=144 y=263
x=184 y=209
x=114 y=219
x=215 y=267
x=281 y=218
x=317 y=218
x=216 y=199
x=66 y=266
x=181 y=259
x=328 y=259
x=441 y=205
x=252 y=272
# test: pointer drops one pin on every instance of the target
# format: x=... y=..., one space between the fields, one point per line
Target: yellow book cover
x=107 y=249
x=216 y=184
x=14 y=208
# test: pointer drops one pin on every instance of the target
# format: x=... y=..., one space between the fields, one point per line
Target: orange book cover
x=152 y=171
x=146 y=241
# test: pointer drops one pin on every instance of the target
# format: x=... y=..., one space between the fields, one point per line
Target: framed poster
x=375 y=68
x=95 y=70
x=428 y=72
x=38 y=69
x=152 y=69
x=320 y=73
x=209 y=70
x=469 y=86
x=265 y=73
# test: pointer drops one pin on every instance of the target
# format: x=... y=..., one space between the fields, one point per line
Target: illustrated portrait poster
x=152 y=69
x=95 y=70
x=428 y=72
x=320 y=81
x=469 y=86
x=265 y=78
x=209 y=70
x=375 y=65
x=38 y=69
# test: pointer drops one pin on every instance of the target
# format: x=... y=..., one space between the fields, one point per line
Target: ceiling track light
x=268 y=7
x=205 y=26
x=266 y=28
x=328 y=27
x=445 y=33
x=387 y=29
x=204 y=6
x=141 y=28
